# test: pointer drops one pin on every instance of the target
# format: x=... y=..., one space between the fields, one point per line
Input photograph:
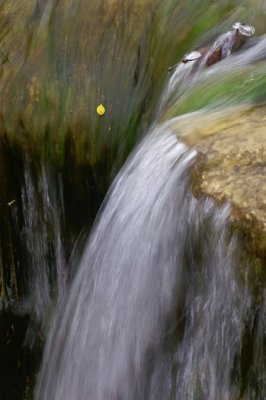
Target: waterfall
x=41 y=237
x=217 y=308
x=155 y=310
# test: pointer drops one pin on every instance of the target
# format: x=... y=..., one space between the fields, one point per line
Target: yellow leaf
x=100 y=110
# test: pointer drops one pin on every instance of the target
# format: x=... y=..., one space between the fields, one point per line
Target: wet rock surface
x=232 y=164
x=19 y=362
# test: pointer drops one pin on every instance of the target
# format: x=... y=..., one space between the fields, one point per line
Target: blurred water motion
x=155 y=310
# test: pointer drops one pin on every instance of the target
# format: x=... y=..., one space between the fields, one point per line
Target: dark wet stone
x=215 y=56
x=18 y=362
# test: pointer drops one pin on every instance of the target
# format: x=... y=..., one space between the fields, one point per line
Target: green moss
x=242 y=86
x=69 y=62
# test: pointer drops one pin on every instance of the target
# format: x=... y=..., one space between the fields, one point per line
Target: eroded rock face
x=232 y=164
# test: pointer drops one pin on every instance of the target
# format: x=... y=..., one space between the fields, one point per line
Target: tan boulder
x=232 y=164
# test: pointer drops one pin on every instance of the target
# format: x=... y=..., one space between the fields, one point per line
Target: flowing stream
x=155 y=310
x=161 y=296
x=45 y=256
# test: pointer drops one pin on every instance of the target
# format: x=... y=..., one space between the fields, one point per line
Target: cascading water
x=156 y=307
x=128 y=279
x=217 y=308
x=154 y=310
x=41 y=235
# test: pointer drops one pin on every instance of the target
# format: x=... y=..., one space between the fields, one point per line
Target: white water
x=41 y=236
x=187 y=77
x=154 y=311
